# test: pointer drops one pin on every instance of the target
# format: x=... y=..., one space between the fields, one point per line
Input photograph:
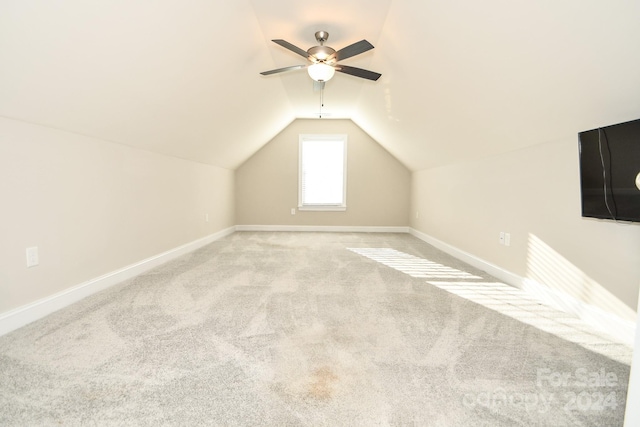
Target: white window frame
x=323 y=207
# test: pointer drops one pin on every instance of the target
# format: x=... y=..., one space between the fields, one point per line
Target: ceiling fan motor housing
x=320 y=53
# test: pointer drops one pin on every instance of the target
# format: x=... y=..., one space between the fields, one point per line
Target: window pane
x=322 y=172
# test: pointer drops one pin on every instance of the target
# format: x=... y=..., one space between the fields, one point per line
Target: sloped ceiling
x=460 y=79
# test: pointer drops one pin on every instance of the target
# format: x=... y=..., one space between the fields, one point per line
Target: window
x=323 y=172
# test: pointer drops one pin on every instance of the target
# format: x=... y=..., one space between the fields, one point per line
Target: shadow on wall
x=555 y=280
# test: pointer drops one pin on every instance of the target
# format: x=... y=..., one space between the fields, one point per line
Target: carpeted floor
x=309 y=329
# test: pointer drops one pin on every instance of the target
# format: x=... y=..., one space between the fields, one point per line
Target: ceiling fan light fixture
x=321 y=72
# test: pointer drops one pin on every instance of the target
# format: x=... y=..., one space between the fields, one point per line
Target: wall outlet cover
x=32 y=256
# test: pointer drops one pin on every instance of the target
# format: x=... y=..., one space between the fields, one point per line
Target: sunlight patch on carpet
x=502 y=298
x=412 y=265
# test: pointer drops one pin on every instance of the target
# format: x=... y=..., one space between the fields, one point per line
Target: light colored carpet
x=308 y=329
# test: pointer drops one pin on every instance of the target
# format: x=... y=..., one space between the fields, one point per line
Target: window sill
x=327 y=208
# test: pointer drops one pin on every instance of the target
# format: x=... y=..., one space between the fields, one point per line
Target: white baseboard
x=599 y=319
x=16 y=318
x=323 y=228
x=623 y=330
x=497 y=272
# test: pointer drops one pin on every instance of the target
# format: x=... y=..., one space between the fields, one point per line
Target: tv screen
x=610 y=172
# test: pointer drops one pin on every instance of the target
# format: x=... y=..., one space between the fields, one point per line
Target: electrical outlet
x=32 y=256
x=293 y=211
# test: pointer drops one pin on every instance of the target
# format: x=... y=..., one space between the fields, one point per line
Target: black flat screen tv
x=610 y=172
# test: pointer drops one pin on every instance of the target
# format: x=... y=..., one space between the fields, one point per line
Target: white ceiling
x=460 y=79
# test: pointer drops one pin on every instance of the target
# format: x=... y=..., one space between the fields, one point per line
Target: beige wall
x=378 y=186
x=534 y=195
x=92 y=207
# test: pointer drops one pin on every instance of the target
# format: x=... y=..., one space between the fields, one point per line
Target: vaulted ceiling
x=460 y=79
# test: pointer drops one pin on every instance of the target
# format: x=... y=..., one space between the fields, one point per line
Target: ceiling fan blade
x=291 y=47
x=282 y=70
x=358 y=72
x=353 y=50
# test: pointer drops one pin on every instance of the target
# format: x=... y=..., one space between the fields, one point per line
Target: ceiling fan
x=324 y=59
